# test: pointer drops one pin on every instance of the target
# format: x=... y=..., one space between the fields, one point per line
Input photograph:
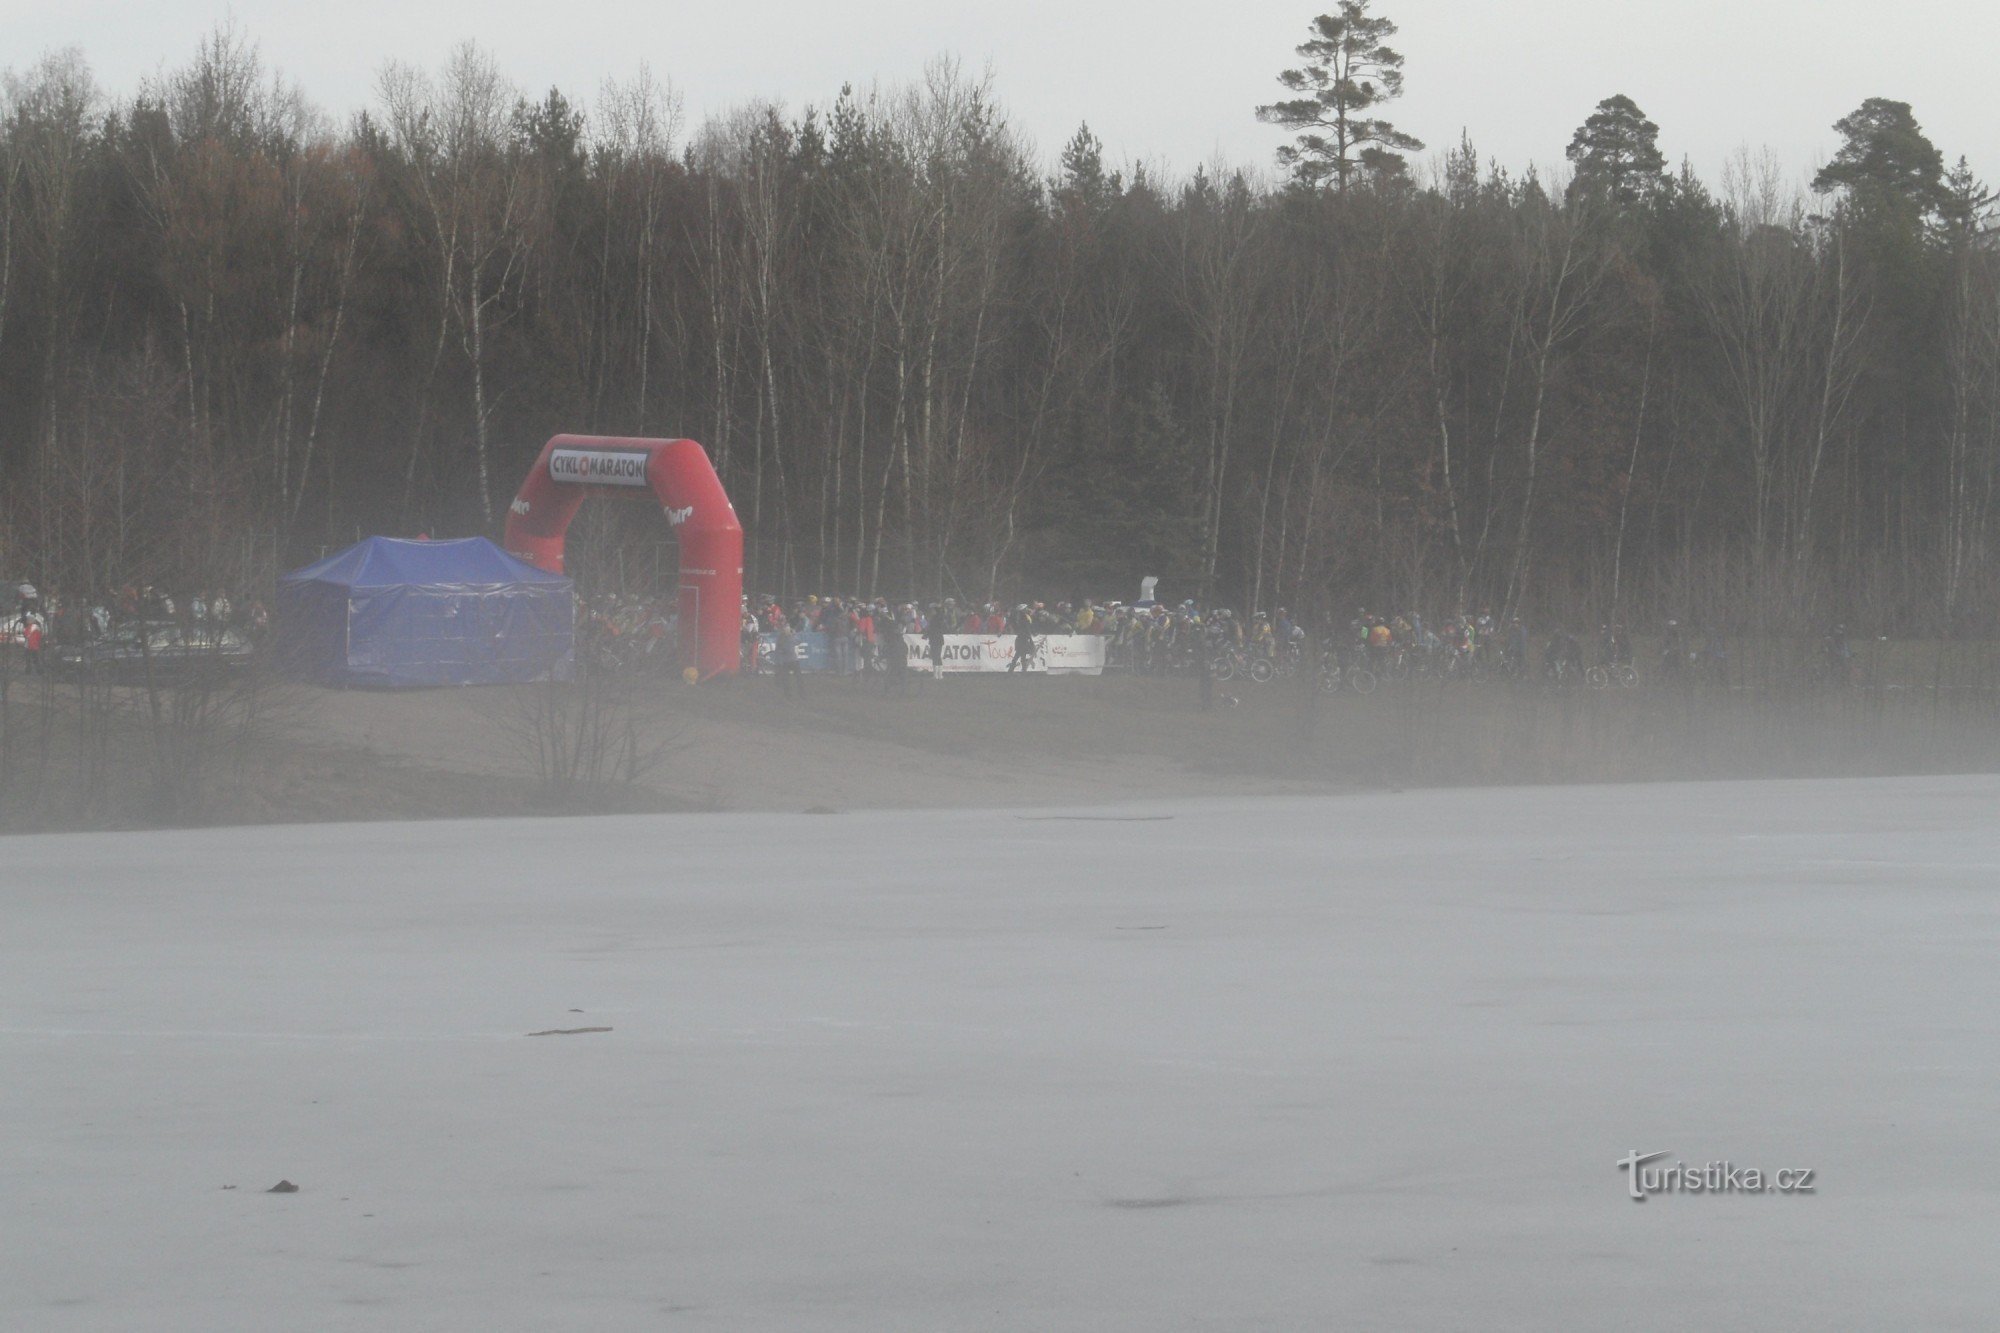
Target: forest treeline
x=926 y=361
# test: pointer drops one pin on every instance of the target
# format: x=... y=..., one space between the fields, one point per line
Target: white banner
x=1055 y=654
x=599 y=467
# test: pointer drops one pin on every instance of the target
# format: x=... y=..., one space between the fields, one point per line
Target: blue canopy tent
x=398 y=614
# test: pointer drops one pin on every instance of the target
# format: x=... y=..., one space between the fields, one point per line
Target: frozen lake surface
x=1364 y=1062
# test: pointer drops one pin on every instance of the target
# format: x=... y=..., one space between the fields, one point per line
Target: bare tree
x=1561 y=273
x=638 y=123
x=51 y=131
x=471 y=182
x=1756 y=303
x=1220 y=294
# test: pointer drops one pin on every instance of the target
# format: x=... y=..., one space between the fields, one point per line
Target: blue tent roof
x=395 y=614
x=386 y=562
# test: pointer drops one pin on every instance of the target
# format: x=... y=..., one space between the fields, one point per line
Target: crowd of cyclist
x=1160 y=639
x=1184 y=638
x=1143 y=638
x=33 y=623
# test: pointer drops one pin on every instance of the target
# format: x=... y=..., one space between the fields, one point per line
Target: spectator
x=31 y=641
x=865 y=641
x=896 y=662
x=1024 y=641
x=934 y=638
x=785 y=659
x=839 y=647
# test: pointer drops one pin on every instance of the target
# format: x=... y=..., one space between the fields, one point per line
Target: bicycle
x=1230 y=662
x=1332 y=676
x=1606 y=674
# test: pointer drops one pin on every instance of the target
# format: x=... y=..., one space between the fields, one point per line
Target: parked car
x=131 y=652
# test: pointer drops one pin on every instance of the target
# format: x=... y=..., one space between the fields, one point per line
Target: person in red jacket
x=864 y=634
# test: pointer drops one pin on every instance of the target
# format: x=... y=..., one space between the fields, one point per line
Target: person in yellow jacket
x=1380 y=640
x=1262 y=641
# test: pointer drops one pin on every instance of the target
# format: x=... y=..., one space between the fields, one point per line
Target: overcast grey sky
x=1164 y=81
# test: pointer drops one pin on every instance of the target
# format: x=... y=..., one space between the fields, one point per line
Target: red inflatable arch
x=678 y=474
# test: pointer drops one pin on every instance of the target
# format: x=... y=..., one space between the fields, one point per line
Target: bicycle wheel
x=1361 y=680
x=1261 y=670
x=1222 y=668
x=1329 y=679
x=1626 y=675
x=1598 y=677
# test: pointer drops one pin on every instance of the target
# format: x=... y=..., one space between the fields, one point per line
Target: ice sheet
x=1361 y=1062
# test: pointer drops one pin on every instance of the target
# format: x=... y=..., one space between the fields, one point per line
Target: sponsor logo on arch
x=600 y=467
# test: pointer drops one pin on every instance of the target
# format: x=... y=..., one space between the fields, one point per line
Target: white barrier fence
x=1055 y=654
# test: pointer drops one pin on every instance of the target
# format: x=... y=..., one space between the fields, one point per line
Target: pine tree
x=1349 y=71
x=1616 y=154
x=1968 y=203
x=1083 y=179
x=1886 y=162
